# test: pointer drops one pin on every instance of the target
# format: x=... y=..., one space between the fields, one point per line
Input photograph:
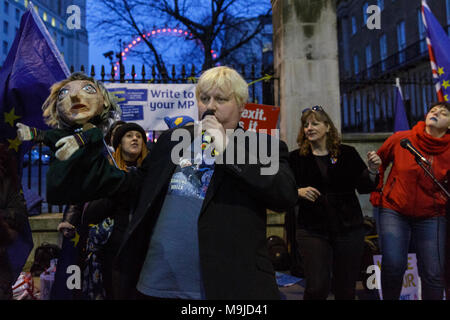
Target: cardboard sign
x=259 y=116
x=411 y=281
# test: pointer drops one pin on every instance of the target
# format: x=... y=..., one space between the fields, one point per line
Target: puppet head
x=77 y=100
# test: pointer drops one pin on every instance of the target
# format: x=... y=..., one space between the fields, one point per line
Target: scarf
x=428 y=143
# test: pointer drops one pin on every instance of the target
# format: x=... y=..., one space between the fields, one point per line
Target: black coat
x=338 y=208
x=231 y=227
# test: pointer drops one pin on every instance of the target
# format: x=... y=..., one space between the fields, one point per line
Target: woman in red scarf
x=413 y=206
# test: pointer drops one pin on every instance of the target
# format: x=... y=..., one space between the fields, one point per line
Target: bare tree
x=224 y=25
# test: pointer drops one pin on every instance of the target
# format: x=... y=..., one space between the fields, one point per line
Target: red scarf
x=428 y=143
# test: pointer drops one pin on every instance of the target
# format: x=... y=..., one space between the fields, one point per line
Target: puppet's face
x=79 y=101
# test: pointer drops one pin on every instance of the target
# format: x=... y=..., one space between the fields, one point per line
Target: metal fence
x=368 y=98
x=370 y=106
x=261 y=90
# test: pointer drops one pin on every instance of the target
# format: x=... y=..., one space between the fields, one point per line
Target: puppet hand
x=69 y=146
x=67 y=229
x=24 y=132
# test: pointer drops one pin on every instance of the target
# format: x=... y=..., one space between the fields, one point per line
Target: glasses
x=315 y=108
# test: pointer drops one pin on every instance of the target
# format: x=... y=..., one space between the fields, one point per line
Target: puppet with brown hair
x=74 y=106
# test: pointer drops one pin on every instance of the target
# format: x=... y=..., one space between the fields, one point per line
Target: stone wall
x=305 y=60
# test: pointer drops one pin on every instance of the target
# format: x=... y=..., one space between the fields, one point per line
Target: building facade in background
x=370 y=60
x=72 y=43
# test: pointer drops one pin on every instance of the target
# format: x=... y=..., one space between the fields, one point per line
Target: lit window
x=368 y=57
x=365 y=6
x=383 y=52
x=355 y=64
x=422 y=31
x=44 y=16
x=353 y=25
x=53 y=22
x=25 y=2
x=401 y=41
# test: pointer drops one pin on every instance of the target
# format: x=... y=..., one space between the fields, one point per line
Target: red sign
x=259 y=116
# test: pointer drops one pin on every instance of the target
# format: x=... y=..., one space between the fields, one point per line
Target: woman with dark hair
x=13 y=217
x=413 y=207
x=330 y=234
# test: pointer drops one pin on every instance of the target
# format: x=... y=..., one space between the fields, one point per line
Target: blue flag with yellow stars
x=439 y=50
x=33 y=64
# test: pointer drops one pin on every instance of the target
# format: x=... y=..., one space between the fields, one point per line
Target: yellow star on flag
x=75 y=239
x=446 y=97
x=441 y=70
x=14 y=144
x=446 y=84
x=10 y=117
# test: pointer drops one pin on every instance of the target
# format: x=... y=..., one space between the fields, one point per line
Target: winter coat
x=338 y=208
x=408 y=189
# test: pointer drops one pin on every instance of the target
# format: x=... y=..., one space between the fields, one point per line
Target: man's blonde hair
x=224 y=78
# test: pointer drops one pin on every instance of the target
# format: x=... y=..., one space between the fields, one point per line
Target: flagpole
x=434 y=70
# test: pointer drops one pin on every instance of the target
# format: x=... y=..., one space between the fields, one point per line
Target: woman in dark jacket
x=13 y=217
x=110 y=217
x=102 y=223
x=330 y=234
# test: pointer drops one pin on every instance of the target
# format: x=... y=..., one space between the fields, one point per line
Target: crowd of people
x=193 y=226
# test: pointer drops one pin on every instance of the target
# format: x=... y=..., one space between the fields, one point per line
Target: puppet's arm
x=68 y=143
x=26 y=133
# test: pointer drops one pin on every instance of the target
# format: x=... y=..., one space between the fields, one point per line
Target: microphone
x=207 y=113
x=206 y=140
x=405 y=143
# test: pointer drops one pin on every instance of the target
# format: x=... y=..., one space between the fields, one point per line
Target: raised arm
x=87 y=175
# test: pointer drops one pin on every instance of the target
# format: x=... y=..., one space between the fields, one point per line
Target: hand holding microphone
x=213 y=133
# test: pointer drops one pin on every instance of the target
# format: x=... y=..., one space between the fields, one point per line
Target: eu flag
x=400 y=119
x=33 y=64
x=439 y=50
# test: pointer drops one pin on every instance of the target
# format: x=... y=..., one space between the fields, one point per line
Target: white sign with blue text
x=149 y=104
